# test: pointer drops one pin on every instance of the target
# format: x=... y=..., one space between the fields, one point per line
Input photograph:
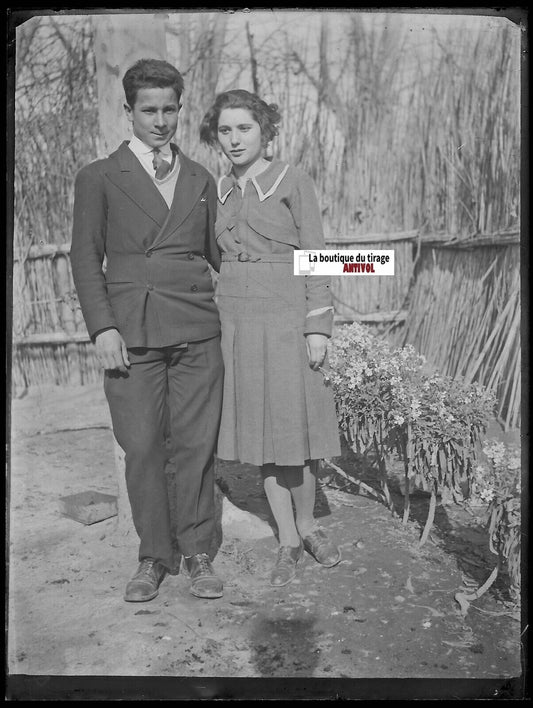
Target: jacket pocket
x=282 y=231
x=114 y=276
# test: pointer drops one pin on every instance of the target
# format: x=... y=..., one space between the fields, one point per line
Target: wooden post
x=124 y=520
x=67 y=317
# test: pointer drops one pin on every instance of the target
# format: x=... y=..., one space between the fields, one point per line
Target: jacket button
x=194 y=288
x=148 y=254
x=190 y=256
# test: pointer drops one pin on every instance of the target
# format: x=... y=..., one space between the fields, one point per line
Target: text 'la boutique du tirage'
x=340 y=262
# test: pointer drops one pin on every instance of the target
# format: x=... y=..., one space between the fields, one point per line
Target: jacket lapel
x=130 y=177
x=189 y=188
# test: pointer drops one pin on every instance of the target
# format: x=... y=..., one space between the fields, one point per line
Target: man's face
x=154 y=117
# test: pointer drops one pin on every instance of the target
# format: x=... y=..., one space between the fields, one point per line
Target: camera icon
x=305 y=265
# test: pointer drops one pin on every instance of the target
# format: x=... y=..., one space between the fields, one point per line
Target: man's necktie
x=161 y=166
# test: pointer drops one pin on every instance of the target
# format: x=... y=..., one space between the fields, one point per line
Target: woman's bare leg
x=280 y=500
x=302 y=485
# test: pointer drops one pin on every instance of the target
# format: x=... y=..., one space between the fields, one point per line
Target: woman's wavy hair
x=265 y=114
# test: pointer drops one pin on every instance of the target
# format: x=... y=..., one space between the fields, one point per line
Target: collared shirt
x=145 y=154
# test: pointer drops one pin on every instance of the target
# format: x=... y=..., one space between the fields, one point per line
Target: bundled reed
x=355 y=296
x=464 y=316
x=46 y=300
x=58 y=364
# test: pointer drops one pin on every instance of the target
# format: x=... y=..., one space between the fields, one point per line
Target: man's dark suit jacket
x=157 y=289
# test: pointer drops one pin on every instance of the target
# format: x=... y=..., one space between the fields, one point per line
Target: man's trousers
x=167 y=406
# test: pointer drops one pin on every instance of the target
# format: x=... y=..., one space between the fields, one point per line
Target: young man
x=149 y=211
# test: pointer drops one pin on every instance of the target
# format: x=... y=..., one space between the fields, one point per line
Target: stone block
x=88 y=507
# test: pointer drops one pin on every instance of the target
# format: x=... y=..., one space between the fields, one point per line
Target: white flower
x=487 y=495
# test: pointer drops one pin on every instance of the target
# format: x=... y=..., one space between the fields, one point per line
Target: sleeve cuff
x=99 y=331
x=321 y=323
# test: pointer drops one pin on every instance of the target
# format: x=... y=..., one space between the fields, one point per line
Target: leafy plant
x=497 y=483
x=387 y=401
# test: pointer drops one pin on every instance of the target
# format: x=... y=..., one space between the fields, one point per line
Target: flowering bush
x=499 y=477
x=444 y=433
x=386 y=400
x=373 y=384
x=497 y=483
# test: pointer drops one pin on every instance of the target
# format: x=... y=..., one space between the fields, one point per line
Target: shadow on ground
x=387 y=610
x=459 y=532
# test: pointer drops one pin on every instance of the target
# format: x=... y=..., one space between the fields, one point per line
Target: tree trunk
x=120 y=40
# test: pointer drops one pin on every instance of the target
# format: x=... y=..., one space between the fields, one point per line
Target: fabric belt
x=246 y=258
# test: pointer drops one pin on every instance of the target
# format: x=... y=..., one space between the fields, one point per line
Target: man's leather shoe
x=204 y=582
x=145 y=583
x=321 y=548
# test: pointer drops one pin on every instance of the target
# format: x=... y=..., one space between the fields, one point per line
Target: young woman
x=277 y=412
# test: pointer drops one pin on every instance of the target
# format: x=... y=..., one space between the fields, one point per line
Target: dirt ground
x=387 y=611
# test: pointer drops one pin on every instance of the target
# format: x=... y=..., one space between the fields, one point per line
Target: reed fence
x=402 y=131
x=464 y=315
x=50 y=340
x=456 y=302
x=377 y=302
x=51 y=344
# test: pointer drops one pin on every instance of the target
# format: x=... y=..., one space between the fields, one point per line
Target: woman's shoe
x=285 y=568
x=321 y=548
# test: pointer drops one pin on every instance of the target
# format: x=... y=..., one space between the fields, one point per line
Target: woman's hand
x=317 y=345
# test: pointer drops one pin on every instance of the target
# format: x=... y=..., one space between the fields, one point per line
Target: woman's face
x=239 y=135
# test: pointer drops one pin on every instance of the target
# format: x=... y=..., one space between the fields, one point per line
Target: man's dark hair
x=151 y=73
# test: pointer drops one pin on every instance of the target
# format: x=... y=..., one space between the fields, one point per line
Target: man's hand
x=111 y=350
x=316 y=349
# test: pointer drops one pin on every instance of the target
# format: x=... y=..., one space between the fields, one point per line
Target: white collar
x=142 y=149
x=270 y=178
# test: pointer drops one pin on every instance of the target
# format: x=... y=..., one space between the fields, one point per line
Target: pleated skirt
x=276 y=409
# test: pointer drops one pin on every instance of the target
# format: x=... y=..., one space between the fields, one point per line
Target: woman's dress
x=276 y=409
